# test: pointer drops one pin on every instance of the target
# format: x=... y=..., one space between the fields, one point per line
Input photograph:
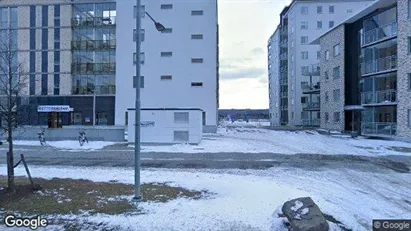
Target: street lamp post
x=159 y=27
x=94 y=107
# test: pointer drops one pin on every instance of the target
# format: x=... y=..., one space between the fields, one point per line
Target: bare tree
x=12 y=82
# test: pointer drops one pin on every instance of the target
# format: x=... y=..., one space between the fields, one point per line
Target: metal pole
x=94 y=107
x=137 y=195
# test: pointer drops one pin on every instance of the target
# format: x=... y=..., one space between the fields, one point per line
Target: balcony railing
x=388 y=63
x=284 y=94
x=284 y=43
x=310 y=123
x=379 y=97
x=311 y=88
x=93 y=68
x=379 y=33
x=94 y=45
x=313 y=70
x=284 y=56
x=93 y=21
x=283 y=82
x=311 y=106
x=379 y=129
x=284 y=30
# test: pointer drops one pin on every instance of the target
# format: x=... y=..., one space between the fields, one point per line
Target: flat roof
x=366 y=11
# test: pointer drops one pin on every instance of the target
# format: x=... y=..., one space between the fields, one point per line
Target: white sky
x=245 y=26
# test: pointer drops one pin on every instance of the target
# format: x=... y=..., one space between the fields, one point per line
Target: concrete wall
x=178 y=92
x=98 y=133
x=162 y=131
x=274 y=78
x=404 y=69
x=327 y=43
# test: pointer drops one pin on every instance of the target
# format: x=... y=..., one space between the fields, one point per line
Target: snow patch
x=297 y=205
x=68 y=144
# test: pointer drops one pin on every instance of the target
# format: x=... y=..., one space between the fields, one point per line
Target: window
x=318 y=54
x=304 y=99
x=166 y=77
x=336 y=95
x=304 y=25
x=196 y=36
x=167 y=54
x=196 y=84
x=319 y=9
x=409 y=82
x=166 y=6
x=304 y=69
x=409 y=118
x=326 y=75
x=336 y=72
x=319 y=24
x=142 y=35
x=141 y=81
x=331 y=9
x=292 y=29
x=331 y=24
x=336 y=50
x=181 y=117
x=304 y=39
x=327 y=97
x=292 y=43
x=327 y=55
x=409 y=9
x=292 y=58
x=181 y=136
x=409 y=45
x=197 y=12
x=304 y=10
x=142 y=58
x=142 y=11
x=336 y=117
x=197 y=60
x=327 y=117
x=167 y=31
x=304 y=55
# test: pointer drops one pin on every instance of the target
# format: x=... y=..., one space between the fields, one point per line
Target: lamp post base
x=137 y=199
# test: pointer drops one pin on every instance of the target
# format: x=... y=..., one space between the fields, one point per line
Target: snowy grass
x=246 y=199
x=245 y=139
x=67 y=144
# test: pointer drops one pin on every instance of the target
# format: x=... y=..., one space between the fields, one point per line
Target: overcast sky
x=245 y=26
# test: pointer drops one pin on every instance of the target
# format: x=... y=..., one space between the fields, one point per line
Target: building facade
x=301 y=22
x=373 y=69
x=273 y=79
x=73 y=57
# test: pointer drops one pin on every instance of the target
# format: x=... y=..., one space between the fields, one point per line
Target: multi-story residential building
x=301 y=22
x=366 y=71
x=273 y=82
x=75 y=60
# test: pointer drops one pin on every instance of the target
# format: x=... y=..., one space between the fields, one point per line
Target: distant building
x=243 y=114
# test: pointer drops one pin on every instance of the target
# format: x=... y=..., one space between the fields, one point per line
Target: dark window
x=327 y=117
x=304 y=99
x=197 y=60
x=181 y=136
x=32 y=16
x=197 y=12
x=57 y=68
x=32 y=39
x=409 y=82
x=56 y=34
x=166 y=6
x=56 y=84
x=336 y=72
x=141 y=82
x=32 y=62
x=57 y=11
x=336 y=117
x=44 y=39
x=319 y=9
x=166 y=54
x=331 y=9
x=409 y=45
x=44 y=83
x=196 y=84
x=409 y=118
x=44 y=16
x=196 y=36
x=32 y=84
x=409 y=9
x=166 y=77
x=167 y=31
x=44 y=61
x=56 y=57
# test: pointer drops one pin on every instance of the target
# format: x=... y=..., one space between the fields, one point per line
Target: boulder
x=304 y=215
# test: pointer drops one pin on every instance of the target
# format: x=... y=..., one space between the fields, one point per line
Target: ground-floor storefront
x=58 y=111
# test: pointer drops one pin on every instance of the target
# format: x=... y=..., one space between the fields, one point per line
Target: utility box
x=167 y=125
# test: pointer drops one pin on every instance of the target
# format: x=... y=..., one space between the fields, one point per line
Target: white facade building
x=306 y=20
x=273 y=77
x=179 y=65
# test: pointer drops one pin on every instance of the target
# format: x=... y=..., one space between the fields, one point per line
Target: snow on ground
x=67 y=144
x=247 y=199
x=243 y=139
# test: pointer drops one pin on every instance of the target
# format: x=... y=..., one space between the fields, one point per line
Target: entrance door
x=76 y=118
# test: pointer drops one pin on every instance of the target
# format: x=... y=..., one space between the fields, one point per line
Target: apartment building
x=298 y=75
x=273 y=82
x=367 y=61
x=81 y=73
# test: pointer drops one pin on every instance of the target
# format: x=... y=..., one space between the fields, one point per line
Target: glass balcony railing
x=379 y=33
x=311 y=87
x=93 y=45
x=388 y=63
x=93 y=68
x=93 y=21
x=311 y=106
x=379 y=97
x=383 y=129
x=310 y=123
x=313 y=70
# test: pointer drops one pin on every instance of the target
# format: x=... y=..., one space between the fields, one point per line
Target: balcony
x=311 y=88
x=284 y=43
x=93 y=21
x=94 y=45
x=310 y=123
x=379 y=97
x=284 y=30
x=313 y=70
x=385 y=64
x=283 y=82
x=93 y=68
x=284 y=94
x=379 y=129
x=312 y=106
x=284 y=56
x=379 y=34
